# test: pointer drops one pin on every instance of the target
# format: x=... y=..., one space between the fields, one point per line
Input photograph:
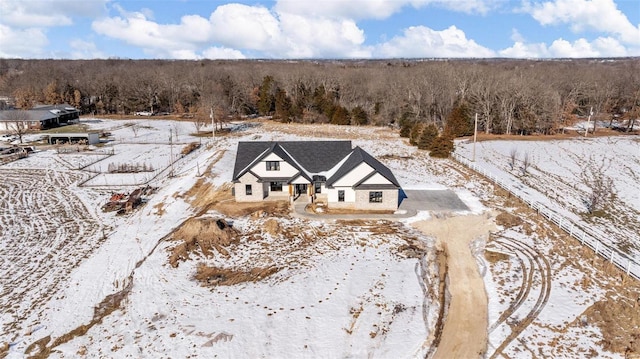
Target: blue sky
x=283 y=29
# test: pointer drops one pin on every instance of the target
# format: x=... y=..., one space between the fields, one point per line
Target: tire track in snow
x=45 y=232
x=538 y=264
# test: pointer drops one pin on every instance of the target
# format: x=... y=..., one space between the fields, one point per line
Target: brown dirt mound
x=220 y=276
x=204 y=234
x=615 y=318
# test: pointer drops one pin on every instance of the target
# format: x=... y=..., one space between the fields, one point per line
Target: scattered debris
x=122 y=203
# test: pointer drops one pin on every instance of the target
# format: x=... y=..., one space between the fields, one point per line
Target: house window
x=273 y=166
x=375 y=197
x=247 y=190
x=341 y=195
x=317 y=187
x=275 y=186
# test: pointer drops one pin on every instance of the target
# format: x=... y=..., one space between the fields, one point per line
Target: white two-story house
x=327 y=171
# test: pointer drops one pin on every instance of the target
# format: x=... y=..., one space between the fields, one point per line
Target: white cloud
x=82 y=49
x=600 y=47
x=241 y=27
x=421 y=41
x=222 y=53
x=174 y=41
x=247 y=27
x=581 y=15
x=376 y=9
x=42 y=13
x=516 y=36
x=13 y=42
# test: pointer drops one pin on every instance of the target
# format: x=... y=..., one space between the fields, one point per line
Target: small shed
x=91 y=138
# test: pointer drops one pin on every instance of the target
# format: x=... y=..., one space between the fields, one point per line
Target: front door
x=301 y=189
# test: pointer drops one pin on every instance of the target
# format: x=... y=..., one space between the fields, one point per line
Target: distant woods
x=424 y=97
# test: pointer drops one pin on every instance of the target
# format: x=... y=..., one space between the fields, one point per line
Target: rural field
x=190 y=273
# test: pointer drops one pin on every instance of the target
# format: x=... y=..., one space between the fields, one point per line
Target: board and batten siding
x=257 y=189
x=286 y=170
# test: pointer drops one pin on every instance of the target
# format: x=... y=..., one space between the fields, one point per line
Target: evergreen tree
x=359 y=116
x=406 y=124
x=340 y=116
x=427 y=136
x=459 y=122
x=441 y=147
x=415 y=133
x=282 y=106
x=265 y=99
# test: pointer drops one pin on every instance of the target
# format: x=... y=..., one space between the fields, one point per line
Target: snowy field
x=83 y=283
x=559 y=176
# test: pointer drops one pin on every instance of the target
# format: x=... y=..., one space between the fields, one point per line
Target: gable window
x=375 y=197
x=275 y=186
x=341 y=195
x=273 y=166
x=247 y=189
x=317 y=187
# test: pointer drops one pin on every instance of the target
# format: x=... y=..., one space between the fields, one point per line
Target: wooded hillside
x=510 y=96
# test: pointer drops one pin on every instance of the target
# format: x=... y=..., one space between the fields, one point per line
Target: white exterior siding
x=286 y=170
x=349 y=197
x=300 y=180
x=354 y=176
x=377 y=179
x=240 y=190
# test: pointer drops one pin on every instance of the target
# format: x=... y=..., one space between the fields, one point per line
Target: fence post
x=582 y=240
x=611 y=259
x=628 y=265
x=597 y=246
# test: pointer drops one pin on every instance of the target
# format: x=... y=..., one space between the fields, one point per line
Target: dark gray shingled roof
x=355 y=158
x=313 y=156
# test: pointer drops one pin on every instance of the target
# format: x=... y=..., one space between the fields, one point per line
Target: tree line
x=509 y=96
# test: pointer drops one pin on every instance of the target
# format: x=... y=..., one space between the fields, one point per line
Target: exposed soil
x=202 y=235
x=464 y=333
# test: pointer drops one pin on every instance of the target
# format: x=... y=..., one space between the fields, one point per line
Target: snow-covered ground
x=559 y=175
x=352 y=293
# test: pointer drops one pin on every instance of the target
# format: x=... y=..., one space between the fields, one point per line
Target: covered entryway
x=300 y=189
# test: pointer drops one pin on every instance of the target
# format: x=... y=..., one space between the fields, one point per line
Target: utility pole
x=213 y=132
x=475 y=137
x=589 y=123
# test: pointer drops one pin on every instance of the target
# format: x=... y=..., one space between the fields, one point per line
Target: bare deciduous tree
x=599 y=186
x=513 y=156
x=18 y=122
x=526 y=163
x=198 y=122
x=134 y=127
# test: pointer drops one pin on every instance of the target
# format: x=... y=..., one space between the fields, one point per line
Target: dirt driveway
x=464 y=334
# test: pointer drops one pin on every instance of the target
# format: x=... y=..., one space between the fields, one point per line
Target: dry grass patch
x=495 y=257
x=256 y=209
x=321 y=208
x=508 y=220
x=159 y=209
x=220 y=276
x=204 y=234
x=619 y=322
